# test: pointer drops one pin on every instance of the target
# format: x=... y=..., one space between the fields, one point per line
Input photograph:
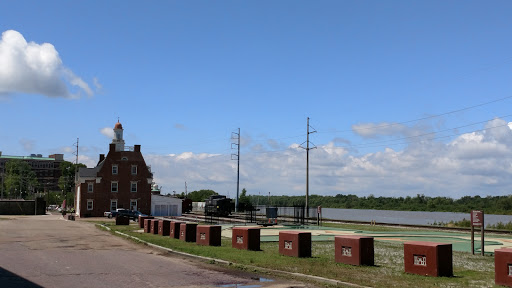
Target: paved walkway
x=48 y=251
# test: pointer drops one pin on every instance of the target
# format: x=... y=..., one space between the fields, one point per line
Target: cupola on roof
x=118 y=125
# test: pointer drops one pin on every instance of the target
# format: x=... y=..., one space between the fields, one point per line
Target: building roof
x=90 y=172
x=118 y=125
x=27 y=158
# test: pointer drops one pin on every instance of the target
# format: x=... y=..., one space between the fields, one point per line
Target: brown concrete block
x=142 y=218
x=174 y=232
x=428 y=258
x=164 y=227
x=295 y=243
x=122 y=220
x=153 y=224
x=147 y=225
x=354 y=250
x=246 y=238
x=188 y=232
x=208 y=235
x=503 y=267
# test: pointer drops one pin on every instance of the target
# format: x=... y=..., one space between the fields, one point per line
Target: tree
x=20 y=180
x=244 y=202
x=201 y=195
x=67 y=178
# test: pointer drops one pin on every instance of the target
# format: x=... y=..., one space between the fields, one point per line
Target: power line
x=419 y=119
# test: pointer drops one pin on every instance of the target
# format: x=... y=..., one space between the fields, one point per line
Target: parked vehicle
x=132 y=214
x=111 y=214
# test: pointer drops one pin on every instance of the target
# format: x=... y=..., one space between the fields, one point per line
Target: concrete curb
x=224 y=262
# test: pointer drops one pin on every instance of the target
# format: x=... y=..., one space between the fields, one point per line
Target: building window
x=124 y=158
x=90 y=187
x=113 y=186
x=134 y=169
x=133 y=186
x=90 y=204
x=114 y=169
x=133 y=204
x=113 y=205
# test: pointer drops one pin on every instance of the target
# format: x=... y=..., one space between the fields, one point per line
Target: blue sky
x=183 y=75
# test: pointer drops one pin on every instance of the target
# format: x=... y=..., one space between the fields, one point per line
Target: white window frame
x=90 y=187
x=135 y=207
x=90 y=201
x=112 y=201
x=116 y=183
x=131 y=186
x=134 y=172
x=115 y=169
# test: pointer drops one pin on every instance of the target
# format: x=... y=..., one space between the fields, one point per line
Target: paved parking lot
x=49 y=251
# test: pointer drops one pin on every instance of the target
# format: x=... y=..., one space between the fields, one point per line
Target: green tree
x=20 y=181
x=201 y=195
x=244 y=202
x=67 y=179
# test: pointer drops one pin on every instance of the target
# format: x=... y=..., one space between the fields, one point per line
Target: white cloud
x=472 y=164
x=28 y=67
x=108 y=131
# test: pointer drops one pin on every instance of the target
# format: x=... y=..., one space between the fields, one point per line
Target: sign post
x=318 y=215
x=477 y=219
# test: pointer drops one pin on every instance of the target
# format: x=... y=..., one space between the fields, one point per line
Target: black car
x=132 y=214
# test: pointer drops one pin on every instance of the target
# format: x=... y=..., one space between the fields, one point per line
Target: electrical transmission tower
x=307 y=148
x=236 y=138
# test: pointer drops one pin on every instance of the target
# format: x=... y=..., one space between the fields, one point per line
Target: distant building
x=120 y=180
x=165 y=205
x=47 y=169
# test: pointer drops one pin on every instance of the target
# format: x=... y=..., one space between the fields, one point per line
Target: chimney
x=112 y=147
x=102 y=157
x=136 y=148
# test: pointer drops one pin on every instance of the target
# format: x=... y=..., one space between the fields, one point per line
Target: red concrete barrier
x=354 y=250
x=122 y=220
x=153 y=224
x=246 y=238
x=188 y=232
x=428 y=258
x=175 y=229
x=503 y=267
x=141 y=220
x=164 y=227
x=147 y=225
x=295 y=243
x=208 y=235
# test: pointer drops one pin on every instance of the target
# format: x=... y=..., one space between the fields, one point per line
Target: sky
x=404 y=97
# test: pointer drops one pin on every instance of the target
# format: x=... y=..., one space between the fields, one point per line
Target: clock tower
x=118 y=136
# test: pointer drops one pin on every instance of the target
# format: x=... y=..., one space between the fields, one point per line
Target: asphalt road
x=49 y=251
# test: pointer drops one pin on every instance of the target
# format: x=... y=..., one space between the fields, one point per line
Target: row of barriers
x=423 y=258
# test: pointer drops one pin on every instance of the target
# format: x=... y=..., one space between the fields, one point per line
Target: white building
x=165 y=205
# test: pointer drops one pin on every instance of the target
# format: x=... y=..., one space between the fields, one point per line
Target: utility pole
x=236 y=136
x=185 y=189
x=76 y=171
x=307 y=164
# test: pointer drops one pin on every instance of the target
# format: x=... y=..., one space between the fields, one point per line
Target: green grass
x=469 y=270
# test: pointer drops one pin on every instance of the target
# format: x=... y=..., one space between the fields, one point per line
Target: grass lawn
x=469 y=270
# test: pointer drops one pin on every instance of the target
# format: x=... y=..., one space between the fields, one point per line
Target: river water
x=394 y=217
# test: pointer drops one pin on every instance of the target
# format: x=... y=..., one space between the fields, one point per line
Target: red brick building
x=120 y=180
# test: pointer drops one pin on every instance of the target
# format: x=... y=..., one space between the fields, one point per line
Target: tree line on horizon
x=501 y=205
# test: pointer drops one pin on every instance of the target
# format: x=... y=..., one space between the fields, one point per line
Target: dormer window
x=114 y=169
